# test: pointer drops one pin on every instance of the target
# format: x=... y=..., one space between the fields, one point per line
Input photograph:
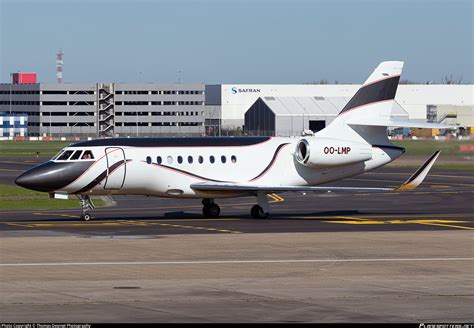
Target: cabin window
x=200 y=159
x=180 y=159
x=64 y=156
x=223 y=159
x=87 y=155
x=211 y=159
x=233 y=159
x=169 y=159
x=76 y=155
x=148 y=160
x=190 y=159
x=158 y=160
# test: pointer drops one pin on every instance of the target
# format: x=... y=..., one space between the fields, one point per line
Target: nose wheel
x=86 y=216
x=210 y=209
x=86 y=204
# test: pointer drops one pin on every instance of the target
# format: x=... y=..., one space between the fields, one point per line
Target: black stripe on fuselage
x=188 y=173
x=99 y=178
x=174 y=142
x=271 y=162
x=378 y=91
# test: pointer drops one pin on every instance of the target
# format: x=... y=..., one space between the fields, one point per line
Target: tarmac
x=320 y=257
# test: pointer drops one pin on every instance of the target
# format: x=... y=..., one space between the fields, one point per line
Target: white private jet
x=220 y=167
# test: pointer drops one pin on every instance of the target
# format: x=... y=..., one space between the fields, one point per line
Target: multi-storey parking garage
x=111 y=109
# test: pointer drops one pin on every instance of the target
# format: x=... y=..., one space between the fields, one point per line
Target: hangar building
x=419 y=100
x=289 y=116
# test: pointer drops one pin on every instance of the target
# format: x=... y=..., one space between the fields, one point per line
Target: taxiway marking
x=283 y=261
x=276 y=198
x=120 y=223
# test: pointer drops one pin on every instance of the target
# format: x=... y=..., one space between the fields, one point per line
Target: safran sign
x=235 y=90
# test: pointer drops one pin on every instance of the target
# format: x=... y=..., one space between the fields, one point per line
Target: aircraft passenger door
x=116 y=168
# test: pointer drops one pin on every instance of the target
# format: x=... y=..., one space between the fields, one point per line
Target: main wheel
x=257 y=212
x=86 y=217
x=212 y=210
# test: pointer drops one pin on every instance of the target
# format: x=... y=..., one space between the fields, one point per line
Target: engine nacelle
x=323 y=152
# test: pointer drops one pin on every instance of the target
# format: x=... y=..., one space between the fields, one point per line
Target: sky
x=239 y=41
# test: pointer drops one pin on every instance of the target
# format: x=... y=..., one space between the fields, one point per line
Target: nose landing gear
x=86 y=204
x=210 y=209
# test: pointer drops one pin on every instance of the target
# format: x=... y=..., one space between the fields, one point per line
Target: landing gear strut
x=86 y=204
x=210 y=209
x=262 y=210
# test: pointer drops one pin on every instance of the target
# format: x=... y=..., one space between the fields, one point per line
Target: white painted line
x=238 y=261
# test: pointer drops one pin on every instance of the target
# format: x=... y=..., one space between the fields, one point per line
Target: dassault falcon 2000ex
x=209 y=168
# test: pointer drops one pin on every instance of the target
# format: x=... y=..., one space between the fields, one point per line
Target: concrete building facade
x=113 y=109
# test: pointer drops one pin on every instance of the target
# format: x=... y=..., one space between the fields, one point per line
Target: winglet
x=417 y=178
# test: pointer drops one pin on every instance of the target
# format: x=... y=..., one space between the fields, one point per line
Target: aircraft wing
x=398 y=123
x=414 y=181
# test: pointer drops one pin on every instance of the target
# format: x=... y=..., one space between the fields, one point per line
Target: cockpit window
x=76 y=155
x=87 y=155
x=64 y=156
x=57 y=155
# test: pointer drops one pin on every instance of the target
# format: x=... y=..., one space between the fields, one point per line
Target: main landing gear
x=258 y=211
x=86 y=204
x=262 y=209
x=210 y=209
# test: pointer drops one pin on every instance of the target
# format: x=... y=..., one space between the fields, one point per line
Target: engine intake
x=322 y=152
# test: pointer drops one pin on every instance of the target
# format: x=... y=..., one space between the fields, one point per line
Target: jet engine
x=323 y=152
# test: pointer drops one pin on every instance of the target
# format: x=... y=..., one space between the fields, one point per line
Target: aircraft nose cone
x=51 y=176
x=35 y=179
x=24 y=180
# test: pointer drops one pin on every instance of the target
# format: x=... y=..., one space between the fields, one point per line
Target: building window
x=148 y=160
x=158 y=160
x=212 y=159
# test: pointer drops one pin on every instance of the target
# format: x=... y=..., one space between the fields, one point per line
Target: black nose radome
x=51 y=176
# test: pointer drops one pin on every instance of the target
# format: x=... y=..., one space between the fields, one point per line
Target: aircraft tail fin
x=380 y=87
x=373 y=108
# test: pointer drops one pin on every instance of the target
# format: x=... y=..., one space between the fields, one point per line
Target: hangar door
x=116 y=168
x=316 y=126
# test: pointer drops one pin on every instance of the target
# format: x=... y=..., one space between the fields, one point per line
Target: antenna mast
x=59 y=65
